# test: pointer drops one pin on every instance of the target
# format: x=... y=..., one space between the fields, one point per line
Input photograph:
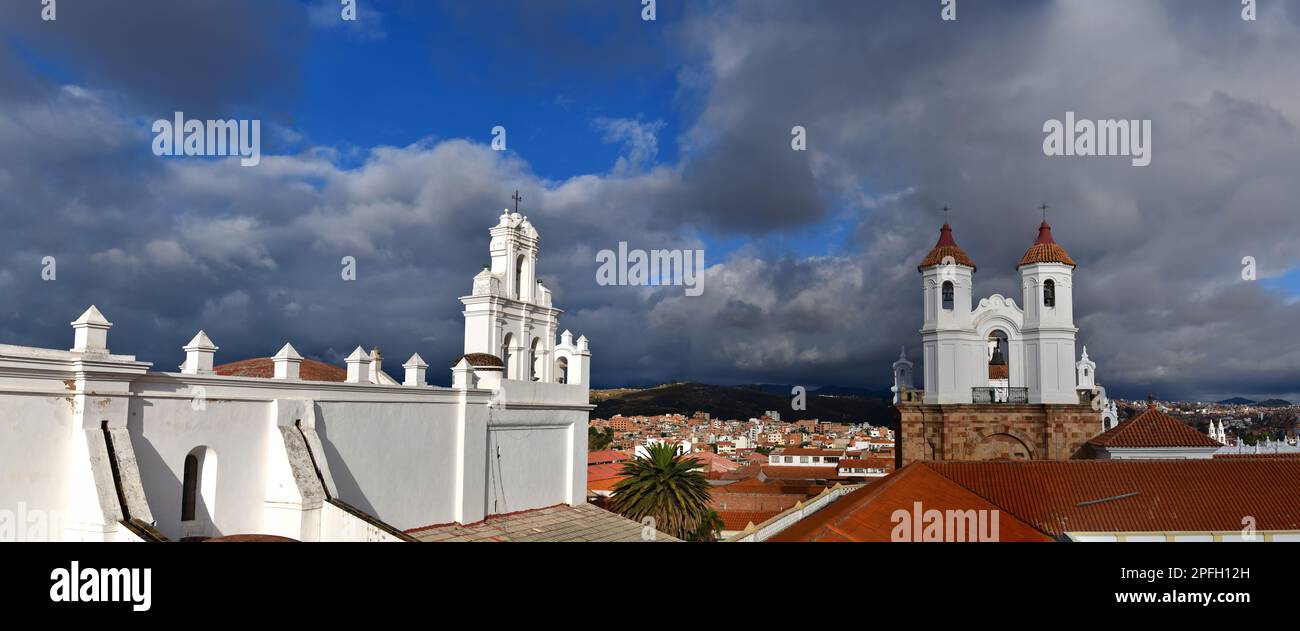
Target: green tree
x=710 y=528
x=597 y=439
x=670 y=488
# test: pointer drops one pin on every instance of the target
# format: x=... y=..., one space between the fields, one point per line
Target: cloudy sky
x=376 y=142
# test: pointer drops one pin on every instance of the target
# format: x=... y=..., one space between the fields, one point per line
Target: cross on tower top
x=517 y=197
x=1044 y=208
x=945 y=213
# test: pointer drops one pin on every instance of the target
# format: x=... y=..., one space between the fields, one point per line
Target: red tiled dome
x=945 y=248
x=264 y=368
x=480 y=360
x=1046 y=250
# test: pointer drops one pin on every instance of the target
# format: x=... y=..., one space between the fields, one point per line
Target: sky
x=666 y=134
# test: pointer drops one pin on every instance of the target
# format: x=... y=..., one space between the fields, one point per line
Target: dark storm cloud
x=201 y=57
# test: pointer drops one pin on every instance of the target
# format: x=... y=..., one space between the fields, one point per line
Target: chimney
x=376 y=364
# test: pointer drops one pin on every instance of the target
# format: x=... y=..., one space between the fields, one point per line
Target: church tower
x=1046 y=278
x=509 y=314
x=953 y=352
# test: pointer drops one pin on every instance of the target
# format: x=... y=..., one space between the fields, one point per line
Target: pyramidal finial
x=359 y=354
x=902 y=353
x=92 y=317
x=287 y=352
x=415 y=362
x=201 y=342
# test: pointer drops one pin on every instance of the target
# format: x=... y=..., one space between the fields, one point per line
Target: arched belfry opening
x=999 y=370
x=947 y=295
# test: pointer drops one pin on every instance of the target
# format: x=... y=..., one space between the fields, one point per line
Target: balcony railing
x=1000 y=395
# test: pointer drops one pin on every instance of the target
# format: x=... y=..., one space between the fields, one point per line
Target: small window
x=1049 y=293
x=947 y=295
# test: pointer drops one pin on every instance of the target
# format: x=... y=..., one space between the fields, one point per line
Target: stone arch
x=1003 y=443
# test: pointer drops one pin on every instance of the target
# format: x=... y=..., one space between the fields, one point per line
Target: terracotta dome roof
x=946 y=247
x=250 y=538
x=480 y=360
x=264 y=368
x=1046 y=250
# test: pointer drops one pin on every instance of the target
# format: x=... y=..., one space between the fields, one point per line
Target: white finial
x=288 y=363
x=198 y=355
x=358 y=366
x=91 y=332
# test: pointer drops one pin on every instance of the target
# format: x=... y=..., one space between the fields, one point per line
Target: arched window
x=562 y=370
x=535 y=360
x=189 y=488
x=505 y=353
x=1049 y=293
x=199 y=493
x=519 y=276
x=947 y=295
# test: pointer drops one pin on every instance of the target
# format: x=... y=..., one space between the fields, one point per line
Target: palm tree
x=710 y=528
x=665 y=486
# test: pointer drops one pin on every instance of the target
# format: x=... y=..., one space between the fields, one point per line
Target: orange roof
x=1046 y=250
x=801 y=473
x=264 y=368
x=606 y=484
x=739 y=519
x=1040 y=498
x=1138 y=495
x=867 y=514
x=604 y=456
x=1153 y=428
x=604 y=471
x=946 y=247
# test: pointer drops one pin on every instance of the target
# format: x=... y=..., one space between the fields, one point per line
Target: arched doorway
x=199 y=494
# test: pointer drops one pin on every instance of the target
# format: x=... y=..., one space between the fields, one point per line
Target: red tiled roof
x=1046 y=250
x=604 y=471
x=1137 y=495
x=801 y=473
x=604 y=456
x=944 y=248
x=739 y=519
x=867 y=514
x=1039 y=498
x=264 y=368
x=1152 y=428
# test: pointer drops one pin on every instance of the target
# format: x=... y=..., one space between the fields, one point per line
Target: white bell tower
x=902 y=375
x=1047 y=279
x=953 y=352
x=509 y=313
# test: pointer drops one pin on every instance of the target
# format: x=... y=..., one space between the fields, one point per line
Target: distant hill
x=1236 y=401
x=1274 y=403
x=739 y=402
x=837 y=391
